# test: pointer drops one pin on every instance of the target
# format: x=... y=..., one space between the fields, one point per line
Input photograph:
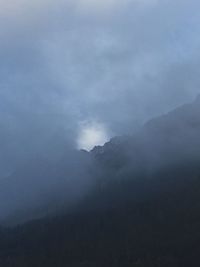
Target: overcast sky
x=92 y=69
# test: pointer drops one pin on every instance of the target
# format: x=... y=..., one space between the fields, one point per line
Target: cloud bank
x=117 y=63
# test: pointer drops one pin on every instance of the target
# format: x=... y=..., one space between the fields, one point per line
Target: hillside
x=142 y=210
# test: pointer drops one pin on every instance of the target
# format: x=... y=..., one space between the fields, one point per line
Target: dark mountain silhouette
x=142 y=209
x=164 y=140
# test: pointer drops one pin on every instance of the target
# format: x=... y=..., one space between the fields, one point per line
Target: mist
x=72 y=66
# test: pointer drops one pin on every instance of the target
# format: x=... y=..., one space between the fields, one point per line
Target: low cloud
x=61 y=65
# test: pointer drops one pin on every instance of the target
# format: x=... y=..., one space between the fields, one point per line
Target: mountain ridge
x=164 y=142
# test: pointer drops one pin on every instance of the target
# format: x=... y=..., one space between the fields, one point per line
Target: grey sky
x=116 y=63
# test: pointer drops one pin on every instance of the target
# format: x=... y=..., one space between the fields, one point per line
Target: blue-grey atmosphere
x=91 y=69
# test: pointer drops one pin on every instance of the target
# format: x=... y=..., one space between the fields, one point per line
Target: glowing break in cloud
x=91 y=134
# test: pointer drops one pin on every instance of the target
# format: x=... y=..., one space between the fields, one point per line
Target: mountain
x=164 y=140
x=141 y=210
x=41 y=187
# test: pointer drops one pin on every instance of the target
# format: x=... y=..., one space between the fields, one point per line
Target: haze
x=112 y=63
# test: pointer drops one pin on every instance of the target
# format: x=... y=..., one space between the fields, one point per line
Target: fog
x=88 y=67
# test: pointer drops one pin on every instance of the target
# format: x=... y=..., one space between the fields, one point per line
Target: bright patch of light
x=91 y=135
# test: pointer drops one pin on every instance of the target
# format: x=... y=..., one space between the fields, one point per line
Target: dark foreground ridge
x=142 y=212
